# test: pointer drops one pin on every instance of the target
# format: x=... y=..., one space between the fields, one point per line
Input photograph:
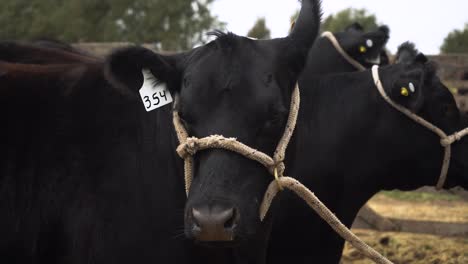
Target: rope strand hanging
x=445 y=140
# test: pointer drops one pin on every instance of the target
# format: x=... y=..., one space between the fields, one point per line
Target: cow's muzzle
x=213 y=223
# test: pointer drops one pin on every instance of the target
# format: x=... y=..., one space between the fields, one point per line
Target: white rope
x=342 y=52
x=446 y=141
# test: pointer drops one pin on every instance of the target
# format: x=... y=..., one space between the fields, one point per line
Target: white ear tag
x=411 y=87
x=153 y=96
x=369 y=43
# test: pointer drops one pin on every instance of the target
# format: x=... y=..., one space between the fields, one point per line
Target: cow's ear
x=124 y=68
x=408 y=90
x=406 y=53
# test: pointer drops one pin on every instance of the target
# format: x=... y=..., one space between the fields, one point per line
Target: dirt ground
x=402 y=248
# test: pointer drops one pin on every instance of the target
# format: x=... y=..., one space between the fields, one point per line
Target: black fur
x=89 y=176
x=43 y=53
x=323 y=57
x=406 y=53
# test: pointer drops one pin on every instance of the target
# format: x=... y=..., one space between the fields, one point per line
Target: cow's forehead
x=238 y=75
x=241 y=64
x=230 y=50
x=230 y=79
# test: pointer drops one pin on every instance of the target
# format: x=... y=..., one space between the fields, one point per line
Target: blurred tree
x=339 y=21
x=171 y=24
x=259 y=30
x=456 y=41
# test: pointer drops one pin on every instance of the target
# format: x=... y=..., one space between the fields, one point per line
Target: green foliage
x=456 y=41
x=420 y=196
x=171 y=24
x=259 y=30
x=339 y=21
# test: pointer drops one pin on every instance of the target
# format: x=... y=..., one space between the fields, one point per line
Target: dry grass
x=403 y=248
x=438 y=208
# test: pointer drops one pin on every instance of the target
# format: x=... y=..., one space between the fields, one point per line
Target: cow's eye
x=185 y=118
x=274 y=121
x=449 y=111
x=268 y=79
x=186 y=81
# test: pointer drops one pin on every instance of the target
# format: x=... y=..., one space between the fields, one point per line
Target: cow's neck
x=159 y=138
x=323 y=58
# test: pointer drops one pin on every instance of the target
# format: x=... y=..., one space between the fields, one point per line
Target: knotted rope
x=189 y=146
x=342 y=52
x=446 y=141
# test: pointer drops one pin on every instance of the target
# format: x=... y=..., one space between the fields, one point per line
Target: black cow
x=87 y=175
x=237 y=87
x=60 y=45
x=366 y=48
x=350 y=144
x=325 y=153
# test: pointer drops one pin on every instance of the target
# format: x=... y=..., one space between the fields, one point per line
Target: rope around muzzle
x=189 y=146
x=342 y=52
x=445 y=140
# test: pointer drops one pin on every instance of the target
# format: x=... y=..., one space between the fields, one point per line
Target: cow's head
x=419 y=89
x=365 y=47
x=236 y=87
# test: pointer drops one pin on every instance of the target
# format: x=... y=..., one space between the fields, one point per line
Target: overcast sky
x=425 y=22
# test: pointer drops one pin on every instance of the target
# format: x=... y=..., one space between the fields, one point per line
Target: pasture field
x=403 y=248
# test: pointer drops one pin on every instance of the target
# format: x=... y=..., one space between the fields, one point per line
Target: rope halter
x=189 y=146
x=445 y=140
x=342 y=52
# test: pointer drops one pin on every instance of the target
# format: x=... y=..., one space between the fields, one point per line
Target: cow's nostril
x=231 y=221
x=196 y=215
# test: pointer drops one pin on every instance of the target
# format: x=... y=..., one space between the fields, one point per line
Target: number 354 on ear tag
x=153 y=94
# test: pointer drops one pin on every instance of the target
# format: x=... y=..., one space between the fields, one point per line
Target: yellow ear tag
x=404 y=91
x=362 y=49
